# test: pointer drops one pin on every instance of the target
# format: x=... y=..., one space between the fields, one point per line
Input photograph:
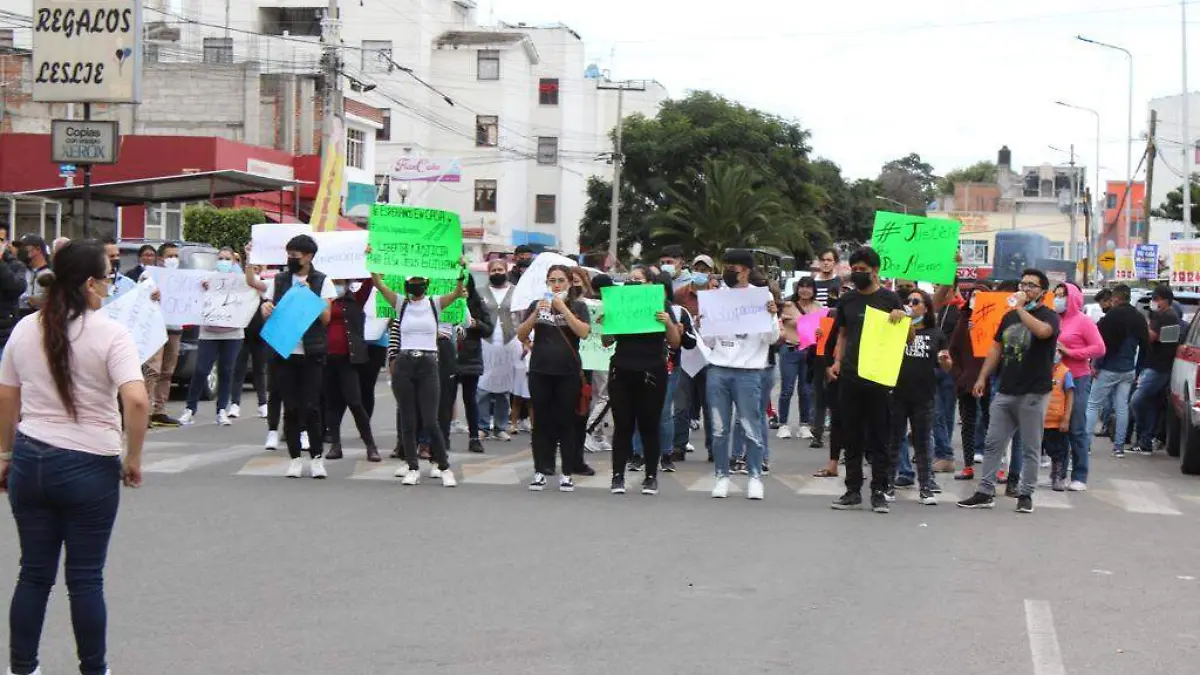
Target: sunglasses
x=915 y=302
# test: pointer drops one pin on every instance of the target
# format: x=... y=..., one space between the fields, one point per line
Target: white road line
x=1137 y=496
x=1043 y=639
x=706 y=484
x=183 y=463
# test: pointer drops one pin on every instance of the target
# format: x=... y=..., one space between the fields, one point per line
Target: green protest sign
x=408 y=241
x=592 y=352
x=631 y=309
x=454 y=314
x=916 y=248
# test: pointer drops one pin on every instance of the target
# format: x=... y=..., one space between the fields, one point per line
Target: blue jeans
x=223 y=354
x=667 y=422
x=1147 y=401
x=1110 y=390
x=944 y=402
x=1080 y=437
x=61 y=498
x=730 y=388
x=793 y=378
x=493 y=409
x=739 y=435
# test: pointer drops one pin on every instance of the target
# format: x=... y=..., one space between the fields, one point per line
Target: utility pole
x=1087 y=231
x=331 y=90
x=1185 y=130
x=1151 y=151
x=1074 y=205
x=618 y=159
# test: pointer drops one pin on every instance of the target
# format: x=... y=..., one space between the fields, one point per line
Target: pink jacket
x=1078 y=335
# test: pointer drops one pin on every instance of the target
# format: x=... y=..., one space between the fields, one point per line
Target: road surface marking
x=706 y=484
x=1043 y=639
x=181 y=463
x=1137 y=496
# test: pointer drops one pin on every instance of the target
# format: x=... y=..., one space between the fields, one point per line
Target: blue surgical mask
x=1029 y=307
x=699 y=279
x=669 y=269
x=224 y=266
x=339 y=288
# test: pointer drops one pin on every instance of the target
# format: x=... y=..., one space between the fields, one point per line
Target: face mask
x=339 y=288
x=731 y=278
x=498 y=279
x=522 y=264
x=861 y=280
x=699 y=279
x=116 y=267
x=669 y=269
x=561 y=295
x=224 y=266
x=917 y=320
x=171 y=263
x=23 y=256
x=634 y=282
x=1030 y=306
x=415 y=290
x=1060 y=305
x=908 y=310
x=293 y=265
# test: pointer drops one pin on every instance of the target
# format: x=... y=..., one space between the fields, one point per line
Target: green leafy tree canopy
x=220 y=227
x=979 y=172
x=910 y=181
x=1172 y=209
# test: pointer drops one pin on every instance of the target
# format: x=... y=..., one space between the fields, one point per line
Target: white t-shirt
x=501 y=296
x=328 y=292
x=419 y=329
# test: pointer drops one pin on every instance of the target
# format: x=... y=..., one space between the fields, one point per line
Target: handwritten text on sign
x=631 y=310
x=182 y=294
x=735 y=311
x=229 y=302
x=916 y=248
x=414 y=242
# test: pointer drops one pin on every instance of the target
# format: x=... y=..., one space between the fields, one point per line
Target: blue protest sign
x=298 y=309
x=1145 y=261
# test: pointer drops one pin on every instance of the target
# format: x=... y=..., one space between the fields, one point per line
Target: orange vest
x=1058 y=399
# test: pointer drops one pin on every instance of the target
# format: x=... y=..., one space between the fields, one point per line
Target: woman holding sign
x=801 y=316
x=217 y=346
x=555 y=376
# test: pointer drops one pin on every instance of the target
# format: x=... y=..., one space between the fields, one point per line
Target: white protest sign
x=735 y=311
x=270 y=241
x=142 y=316
x=341 y=255
x=182 y=294
x=229 y=302
x=532 y=285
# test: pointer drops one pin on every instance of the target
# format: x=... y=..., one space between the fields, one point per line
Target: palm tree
x=727 y=205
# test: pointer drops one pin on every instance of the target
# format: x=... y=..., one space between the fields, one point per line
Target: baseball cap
x=704 y=259
x=33 y=240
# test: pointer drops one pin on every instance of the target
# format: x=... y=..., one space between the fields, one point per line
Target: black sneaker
x=636 y=464
x=1011 y=490
x=905 y=481
x=766 y=469
x=879 y=502
x=163 y=420
x=848 y=501
x=978 y=501
x=934 y=487
x=668 y=465
x=927 y=498
x=650 y=486
x=475 y=446
x=618 y=485
x=1025 y=504
x=585 y=470
x=739 y=466
x=889 y=494
x=816 y=443
x=1119 y=452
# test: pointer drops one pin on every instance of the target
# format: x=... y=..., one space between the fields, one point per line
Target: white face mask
x=171 y=263
x=561 y=295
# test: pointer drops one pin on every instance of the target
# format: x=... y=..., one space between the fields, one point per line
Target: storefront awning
x=188 y=187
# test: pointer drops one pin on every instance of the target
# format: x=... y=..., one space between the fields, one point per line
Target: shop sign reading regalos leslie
x=87 y=51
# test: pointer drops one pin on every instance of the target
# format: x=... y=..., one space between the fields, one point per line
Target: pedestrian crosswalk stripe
x=180 y=463
x=819 y=487
x=274 y=465
x=1143 y=497
x=707 y=483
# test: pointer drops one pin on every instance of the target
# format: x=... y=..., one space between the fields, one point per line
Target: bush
x=220 y=227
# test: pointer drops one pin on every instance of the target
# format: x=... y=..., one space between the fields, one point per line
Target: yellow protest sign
x=881 y=349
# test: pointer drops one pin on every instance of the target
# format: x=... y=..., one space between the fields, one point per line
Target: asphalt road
x=221 y=565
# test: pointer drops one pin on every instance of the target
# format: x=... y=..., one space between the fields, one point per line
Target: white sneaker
x=188 y=417
x=721 y=489
x=223 y=418
x=1045 y=463
x=503 y=436
x=412 y=477
x=295 y=469
x=303 y=440
x=235 y=410
x=262 y=412
x=784 y=432
x=272 y=440
x=401 y=471
x=805 y=432
x=525 y=426
x=754 y=489
x=1077 y=486
x=691 y=448
x=605 y=446
x=457 y=427
x=592 y=444
x=448 y=479
x=318 y=468
x=979 y=456
x=566 y=484
x=435 y=472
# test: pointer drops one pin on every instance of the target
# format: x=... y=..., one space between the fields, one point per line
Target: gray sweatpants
x=1009 y=414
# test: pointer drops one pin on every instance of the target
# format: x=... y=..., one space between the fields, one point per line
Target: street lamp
x=1096 y=194
x=893 y=201
x=1128 y=134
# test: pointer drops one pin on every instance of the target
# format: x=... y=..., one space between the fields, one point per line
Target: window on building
x=487 y=130
x=485 y=196
x=1058 y=250
x=545 y=209
x=547 y=150
x=1110 y=200
x=164 y=221
x=377 y=56
x=548 y=91
x=385 y=134
x=218 y=50
x=356 y=148
x=292 y=20
x=974 y=251
x=488 y=64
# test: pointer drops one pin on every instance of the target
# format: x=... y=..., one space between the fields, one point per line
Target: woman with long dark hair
x=347 y=350
x=795 y=361
x=555 y=376
x=60 y=376
x=470 y=360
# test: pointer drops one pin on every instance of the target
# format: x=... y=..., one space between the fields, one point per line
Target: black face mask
x=498 y=279
x=415 y=289
x=731 y=278
x=861 y=280
x=293 y=265
x=522 y=264
x=23 y=256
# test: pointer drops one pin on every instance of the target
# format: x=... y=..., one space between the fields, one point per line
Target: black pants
x=416 y=387
x=969 y=409
x=637 y=398
x=553 y=398
x=300 y=384
x=864 y=417
x=918 y=414
x=1054 y=443
x=470 y=390
x=274 y=394
x=343 y=391
x=828 y=398
x=368 y=376
x=823 y=396
x=253 y=354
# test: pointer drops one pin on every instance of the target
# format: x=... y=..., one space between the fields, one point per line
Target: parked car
x=1183 y=399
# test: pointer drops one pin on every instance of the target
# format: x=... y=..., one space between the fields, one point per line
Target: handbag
x=584 y=404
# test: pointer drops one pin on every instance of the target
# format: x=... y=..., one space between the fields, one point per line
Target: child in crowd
x=1058 y=423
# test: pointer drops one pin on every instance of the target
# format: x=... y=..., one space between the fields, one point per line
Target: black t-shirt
x=851 y=311
x=1162 y=354
x=916 y=381
x=825 y=289
x=555 y=354
x=1026 y=363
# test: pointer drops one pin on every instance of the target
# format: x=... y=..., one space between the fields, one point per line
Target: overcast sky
x=874 y=80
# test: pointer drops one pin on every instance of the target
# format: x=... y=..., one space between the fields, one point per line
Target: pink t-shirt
x=103 y=357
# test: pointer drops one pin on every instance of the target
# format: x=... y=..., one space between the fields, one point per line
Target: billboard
x=87 y=51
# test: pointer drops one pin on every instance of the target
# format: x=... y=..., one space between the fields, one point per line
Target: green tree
x=220 y=227
x=848 y=209
x=1172 y=209
x=910 y=181
x=979 y=172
